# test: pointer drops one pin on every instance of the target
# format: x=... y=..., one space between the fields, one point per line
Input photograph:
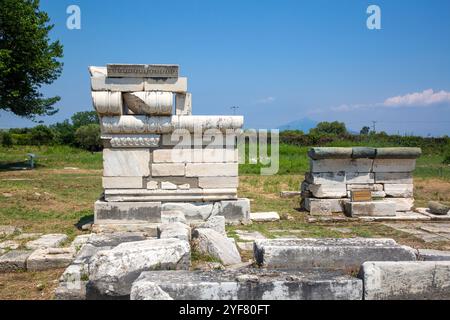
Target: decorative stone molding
x=107 y=103
x=135 y=141
x=149 y=103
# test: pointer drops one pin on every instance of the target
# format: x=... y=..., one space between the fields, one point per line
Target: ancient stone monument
x=359 y=181
x=158 y=158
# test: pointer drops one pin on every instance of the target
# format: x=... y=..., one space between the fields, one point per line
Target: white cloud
x=419 y=99
x=266 y=100
x=425 y=98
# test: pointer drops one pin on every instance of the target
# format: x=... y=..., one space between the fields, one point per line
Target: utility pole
x=234 y=108
x=374 y=126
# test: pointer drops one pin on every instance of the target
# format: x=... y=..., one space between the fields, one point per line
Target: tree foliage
x=84 y=118
x=88 y=137
x=332 y=128
x=28 y=59
x=42 y=135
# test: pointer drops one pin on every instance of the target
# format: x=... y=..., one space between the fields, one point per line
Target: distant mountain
x=304 y=124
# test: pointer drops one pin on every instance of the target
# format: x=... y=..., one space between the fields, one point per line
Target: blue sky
x=278 y=61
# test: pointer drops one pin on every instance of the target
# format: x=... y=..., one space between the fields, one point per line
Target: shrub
x=41 y=135
x=7 y=140
x=88 y=137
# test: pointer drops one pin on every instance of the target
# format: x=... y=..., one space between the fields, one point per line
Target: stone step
x=247 y=284
x=328 y=253
x=379 y=208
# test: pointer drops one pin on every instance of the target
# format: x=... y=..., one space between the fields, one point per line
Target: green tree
x=365 y=130
x=88 y=137
x=332 y=128
x=7 y=140
x=64 y=132
x=84 y=118
x=41 y=135
x=28 y=59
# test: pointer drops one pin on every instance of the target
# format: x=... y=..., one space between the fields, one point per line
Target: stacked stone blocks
x=337 y=172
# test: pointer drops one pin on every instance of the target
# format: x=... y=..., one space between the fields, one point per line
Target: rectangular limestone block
x=211 y=170
x=399 y=190
x=327 y=253
x=393 y=280
x=168 y=169
x=394 y=165
x=178 y=85
x=126 y=162
x=403 y=204
x=334 y=190
x=319 y=207
x=183 y=104
x=122 y=182
x=218 y=182
x=394 y=177
x=117 y=212
x=207 y=139
x=186 y=155
x=345 y=165
x=359 y=177
x=325 y=177
x=381 y=208
x=101 y=83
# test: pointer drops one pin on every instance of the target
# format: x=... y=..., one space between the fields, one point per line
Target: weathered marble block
x=126 y=162
x=429 y=280
x=359 y=177
x=103 y=83
x=164 y=71
x=183 y=104
x=218 y=182
x=331 y=190
x=177 y=155
x=394 y=165
x=168 y=169
x=403 y=204
x=399 y=190
x=134 y=212
x=142 y=195
x=211 y=169
x=379 y=208
x=149 y=103
x=394 y=177
x=108 y=103
x=327 y=253
x=122 y=182
x=324 y=206
x=178 y=85
x=337 y=165
x=133 y=140
x=325 y=177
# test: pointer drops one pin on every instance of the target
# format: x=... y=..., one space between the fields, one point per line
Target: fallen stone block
x=379 y=208
x=47 y=241
x=245 y=246
x=114 y=239
x=107 y=212
x=264 y=216
x=79 y=241
x=50 y=258
x=176 y=230
x=399 y=190
x=173 y=216
x=216 y=223
x=10 y=245
x=393 y=165
x=194 y=211
x=112 y=272
x=249 y=235
x=246 y=284
x=433 y=255
x=234 y=211
x=87 y=251
x=438 y=208
x=422 y=280
x=71 y=291
x=328 y=253
x=290 y=194
x=208 y=241
x=13 y=261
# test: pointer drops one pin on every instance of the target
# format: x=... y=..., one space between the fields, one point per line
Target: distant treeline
x=82 y=131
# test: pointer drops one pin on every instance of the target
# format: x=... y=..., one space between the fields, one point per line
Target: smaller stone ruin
x=359 y=181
